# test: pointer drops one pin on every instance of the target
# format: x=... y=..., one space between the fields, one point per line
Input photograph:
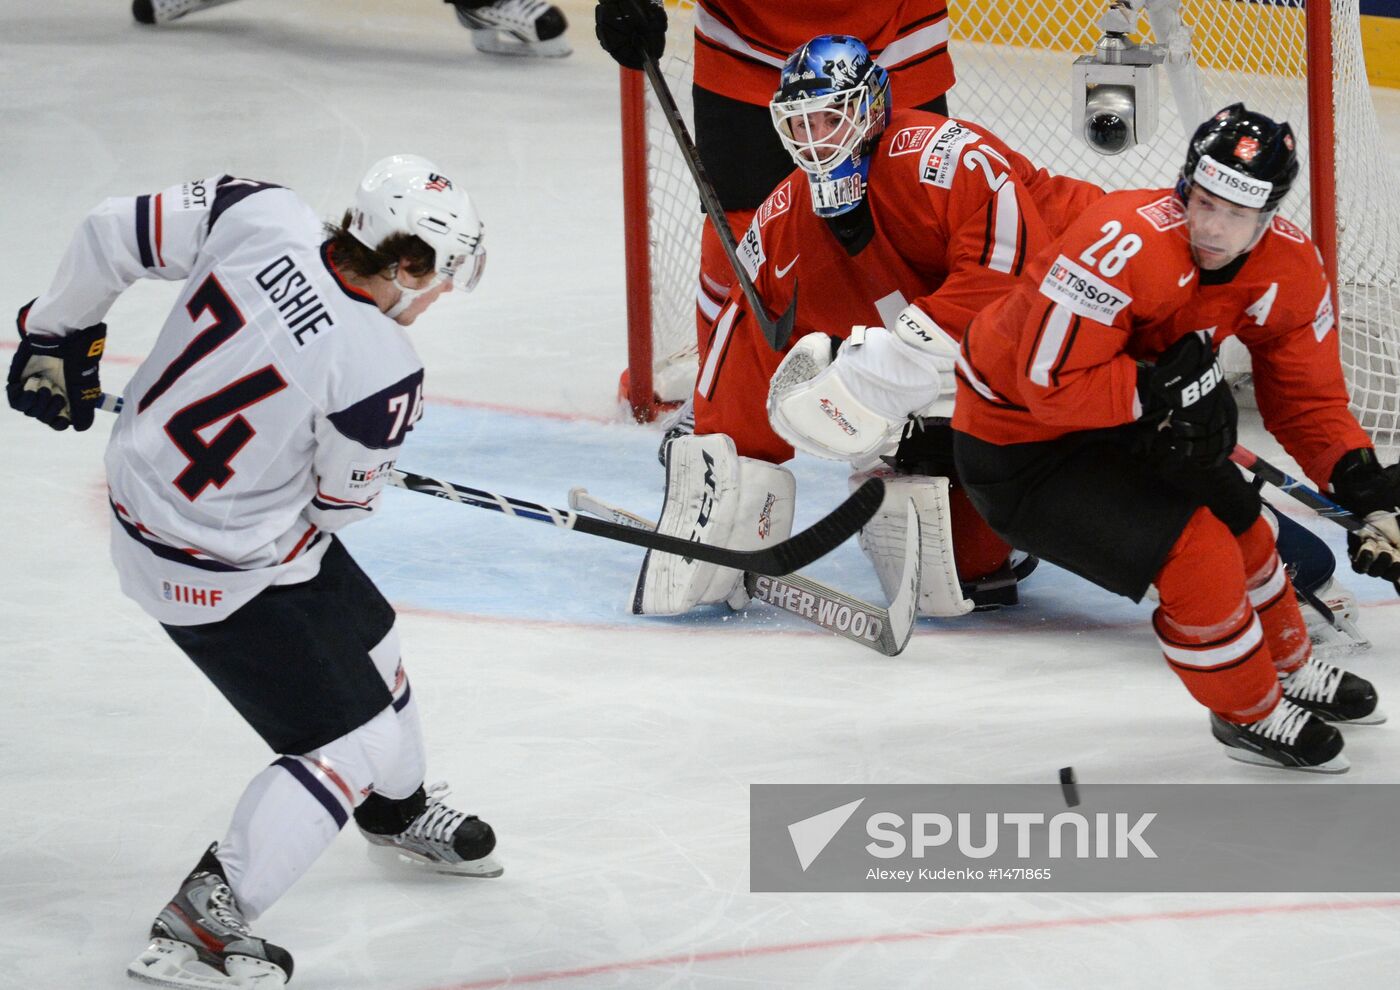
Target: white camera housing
x=1115 y=94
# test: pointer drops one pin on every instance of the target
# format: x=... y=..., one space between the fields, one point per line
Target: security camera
x=1110 y=118
x=1115 y=94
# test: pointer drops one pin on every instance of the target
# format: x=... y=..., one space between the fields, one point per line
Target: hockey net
x=1013 y=63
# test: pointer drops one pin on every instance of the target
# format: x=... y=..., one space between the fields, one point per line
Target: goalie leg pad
x=882 y=539
x=715 y=497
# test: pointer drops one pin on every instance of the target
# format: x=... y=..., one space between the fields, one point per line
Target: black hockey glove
x=628 y=28
x=1360 y=484
x=1188 y=412
x=55 y=379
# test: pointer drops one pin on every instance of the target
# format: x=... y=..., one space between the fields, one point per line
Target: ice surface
x=613 y=755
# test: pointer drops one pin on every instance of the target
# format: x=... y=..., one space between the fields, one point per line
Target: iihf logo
x=438 y=183
x=184 y=594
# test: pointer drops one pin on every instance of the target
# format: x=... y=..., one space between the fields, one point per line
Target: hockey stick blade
x=886 y=631
x=776 y=332
x=813 y=543
x=1310 y=497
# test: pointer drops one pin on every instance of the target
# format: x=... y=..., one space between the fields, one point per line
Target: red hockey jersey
x=1059 y=354
x=954 y=216
x=741 y=44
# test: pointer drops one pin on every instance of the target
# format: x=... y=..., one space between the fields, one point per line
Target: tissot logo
x=1230 y=184
x=1084 y=287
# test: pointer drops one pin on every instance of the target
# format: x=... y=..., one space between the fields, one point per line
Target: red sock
x=1207 y=627
x=1271 y=594
x=978 y=551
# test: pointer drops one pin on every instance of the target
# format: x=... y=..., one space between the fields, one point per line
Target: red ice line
x=442 y=400
x=722 y=955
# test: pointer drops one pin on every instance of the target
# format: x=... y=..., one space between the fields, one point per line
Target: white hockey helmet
x=406 y=194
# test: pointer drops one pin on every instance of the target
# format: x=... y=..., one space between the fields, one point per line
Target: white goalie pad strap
x=811 y=406
x=715 y=497
x=882 y=539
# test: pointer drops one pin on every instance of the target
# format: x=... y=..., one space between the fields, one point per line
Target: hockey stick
x=814 y=542
x=885 y=631
x=778 y=332
x=1310 y=497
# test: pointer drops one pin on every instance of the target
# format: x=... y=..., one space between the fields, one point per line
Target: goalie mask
x=832 y=104
x=405 y=194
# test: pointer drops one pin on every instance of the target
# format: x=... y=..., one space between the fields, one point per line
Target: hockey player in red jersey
x=740 y=46
x=1092 y=428
x=266 y=418
x=908 y=220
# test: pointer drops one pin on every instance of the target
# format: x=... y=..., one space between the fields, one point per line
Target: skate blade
x=491 y=41
x=394 y=857
x=168 y=963
x=1338 y=763
x=1377 y=717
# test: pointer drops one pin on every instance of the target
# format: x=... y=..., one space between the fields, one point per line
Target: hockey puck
x=1069 y=786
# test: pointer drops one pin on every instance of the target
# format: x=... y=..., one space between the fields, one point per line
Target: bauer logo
x=910 y=140
x=1082 y=292
x=1227 y=183
x=1123 y=837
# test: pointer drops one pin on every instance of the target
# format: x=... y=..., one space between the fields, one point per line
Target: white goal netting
x=1013 y=60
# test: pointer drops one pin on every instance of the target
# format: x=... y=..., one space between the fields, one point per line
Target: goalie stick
x=886 y=631
x=813 y=543
x=1310 y=497
x=776 y=332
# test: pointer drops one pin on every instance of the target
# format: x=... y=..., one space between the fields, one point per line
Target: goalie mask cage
x=1012 y=61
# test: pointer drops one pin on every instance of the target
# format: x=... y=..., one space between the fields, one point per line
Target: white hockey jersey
x=268 y=414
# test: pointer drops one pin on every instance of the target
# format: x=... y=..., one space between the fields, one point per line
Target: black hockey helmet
x=1241 y=156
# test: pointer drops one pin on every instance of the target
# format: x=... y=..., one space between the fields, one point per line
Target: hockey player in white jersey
x=498 y=27
x=268 y=416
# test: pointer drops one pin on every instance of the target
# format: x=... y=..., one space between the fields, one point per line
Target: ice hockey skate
x=439 y=839
x=516 y=27
x=161 y=11
x=201 y=940
x=1333 y=694
x=1289 y=737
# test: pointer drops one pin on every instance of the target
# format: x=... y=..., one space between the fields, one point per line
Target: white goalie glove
x=853 y=407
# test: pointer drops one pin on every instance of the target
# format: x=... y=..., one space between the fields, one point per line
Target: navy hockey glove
x=55 y=379
x=1360 y=484
x=628 y=28
x=1188 y=412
